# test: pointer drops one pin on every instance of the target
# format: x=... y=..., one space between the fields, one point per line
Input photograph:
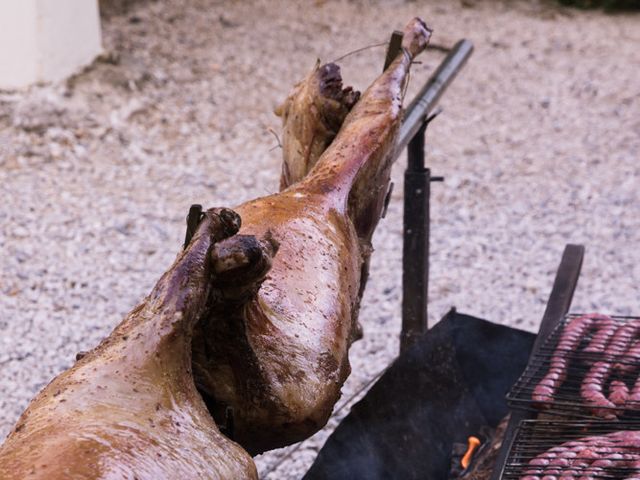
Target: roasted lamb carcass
x=265 y=335
x=279 y=355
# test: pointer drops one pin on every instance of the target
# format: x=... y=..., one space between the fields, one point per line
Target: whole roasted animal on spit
x=232 y=326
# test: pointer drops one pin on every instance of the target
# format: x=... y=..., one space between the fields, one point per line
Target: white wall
x=46 y=40
x=18 y=39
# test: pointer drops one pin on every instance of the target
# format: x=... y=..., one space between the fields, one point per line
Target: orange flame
x=474 y=443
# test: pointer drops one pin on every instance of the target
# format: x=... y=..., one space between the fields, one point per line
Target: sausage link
x=618 y=393
x=606 y=329
x=631 y=360
x=592 y=390
x=570 y=339
x=622 y=339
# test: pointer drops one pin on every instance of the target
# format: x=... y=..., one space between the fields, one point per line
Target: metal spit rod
x=427 y=98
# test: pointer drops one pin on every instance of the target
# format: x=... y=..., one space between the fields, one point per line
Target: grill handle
x=557 y=307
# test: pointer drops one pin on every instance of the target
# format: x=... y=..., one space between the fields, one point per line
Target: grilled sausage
x=622 y=340
x=606 y=329
x=588 y=457
x=592 y=392
x=592 y=388
x=635 y=468
x=572 y=335
x=618 y=393
x=634 y=398
x=570 y=339
x=631 y=359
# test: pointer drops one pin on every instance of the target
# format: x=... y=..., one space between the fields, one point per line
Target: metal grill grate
x=567 y=399
x=616 y=457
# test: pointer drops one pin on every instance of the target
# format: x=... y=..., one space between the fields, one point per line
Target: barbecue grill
x=567 y=400
x=535 y=437
x=536 y=427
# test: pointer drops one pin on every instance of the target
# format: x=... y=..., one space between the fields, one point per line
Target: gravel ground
x=539 y=143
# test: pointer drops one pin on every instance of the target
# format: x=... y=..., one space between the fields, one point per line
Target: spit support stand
x=415 y=246
x=417 y=188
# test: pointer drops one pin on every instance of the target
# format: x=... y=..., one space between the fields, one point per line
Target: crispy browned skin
x=130 y=409
x=280 y=358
